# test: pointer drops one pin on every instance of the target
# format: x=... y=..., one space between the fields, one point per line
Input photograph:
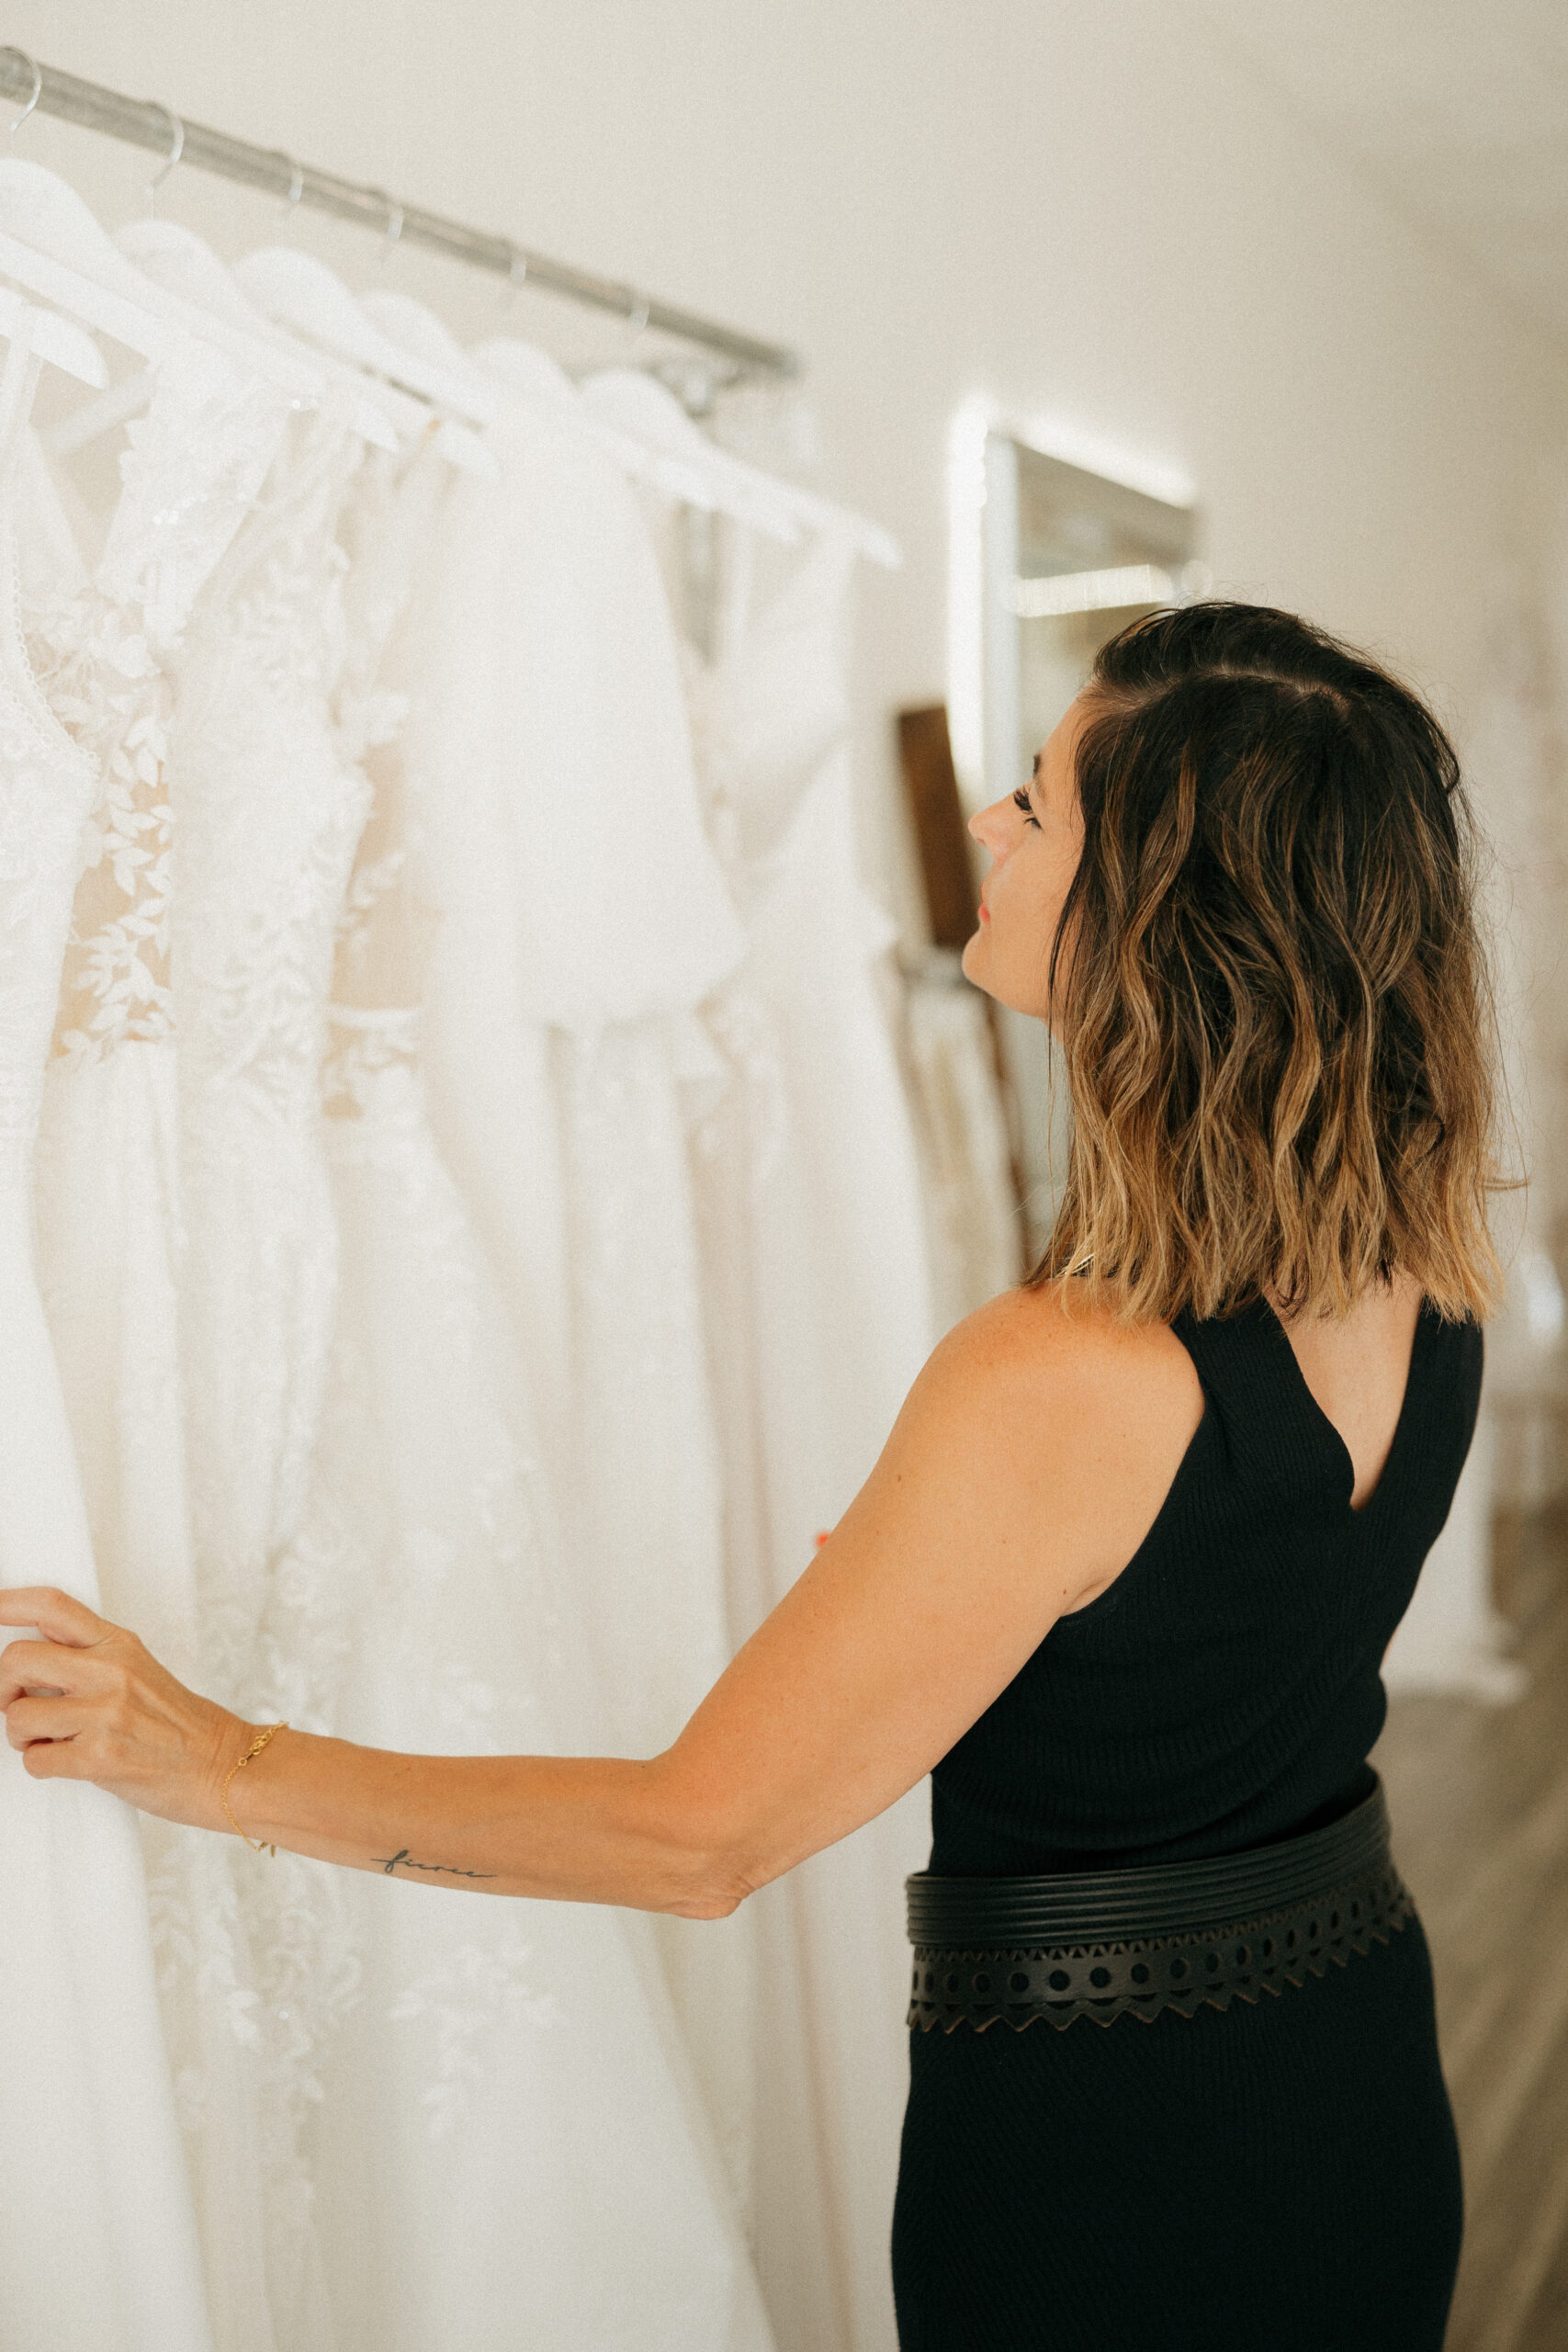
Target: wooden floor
x=1480 y=1802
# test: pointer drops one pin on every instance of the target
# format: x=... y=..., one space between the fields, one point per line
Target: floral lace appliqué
x=111 y=697
x=464 y=2001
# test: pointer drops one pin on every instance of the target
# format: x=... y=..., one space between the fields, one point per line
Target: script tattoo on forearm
x=387 y=1863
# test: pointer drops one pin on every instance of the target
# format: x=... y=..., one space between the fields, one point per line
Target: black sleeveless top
x=1225 y=1691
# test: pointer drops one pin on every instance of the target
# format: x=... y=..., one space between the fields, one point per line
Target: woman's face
x=1034 y=837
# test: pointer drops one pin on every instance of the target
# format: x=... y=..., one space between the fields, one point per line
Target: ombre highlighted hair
x=1269 y=987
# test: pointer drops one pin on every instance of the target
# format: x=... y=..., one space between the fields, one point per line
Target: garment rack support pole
x=145 y=123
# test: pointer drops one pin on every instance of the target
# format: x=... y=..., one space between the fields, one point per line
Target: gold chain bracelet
x=256 y=1845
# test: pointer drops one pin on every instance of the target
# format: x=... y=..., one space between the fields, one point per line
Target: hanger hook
x=296 y=183
x=37 y=88
x=516 y=275
x=176 y=148
x=394 y=223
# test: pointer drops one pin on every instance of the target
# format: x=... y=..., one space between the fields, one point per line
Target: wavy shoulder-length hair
x=1270 y=986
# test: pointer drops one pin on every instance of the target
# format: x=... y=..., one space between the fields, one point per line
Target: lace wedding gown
x=189 y=1256
x=503 y=2153
x=117 y=1221
x=266 y=817
x=98 y=2242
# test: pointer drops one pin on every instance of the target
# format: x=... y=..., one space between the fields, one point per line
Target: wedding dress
x=266 y=817
x=188 y=1250
x=113 y=1203
x=99 y=2250
x=583 y=918
x=502 y=2154
x=817 y=1252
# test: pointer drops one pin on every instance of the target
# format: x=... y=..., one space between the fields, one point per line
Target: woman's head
x=1241 y=887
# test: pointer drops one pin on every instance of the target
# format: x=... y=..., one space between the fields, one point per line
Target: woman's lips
x=984 y=912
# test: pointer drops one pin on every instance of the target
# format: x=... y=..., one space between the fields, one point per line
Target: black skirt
x=1277 y=2177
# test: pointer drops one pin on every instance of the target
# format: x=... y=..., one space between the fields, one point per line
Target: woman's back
x=1223 y=1690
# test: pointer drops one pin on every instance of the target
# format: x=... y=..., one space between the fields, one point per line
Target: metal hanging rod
x=145 y=123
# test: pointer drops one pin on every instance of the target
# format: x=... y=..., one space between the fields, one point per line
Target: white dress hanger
x=640 y=404
x=321 y=302
x=530 y=374
x=295 y=290
x=50 y=242
x=413 y=326
x=49 y=336
x=538 y=384
x=185 y=265
x=534 y=381
x=681 y=458
x=523 y=376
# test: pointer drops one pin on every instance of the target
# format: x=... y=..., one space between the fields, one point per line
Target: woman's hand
x=88 y=1702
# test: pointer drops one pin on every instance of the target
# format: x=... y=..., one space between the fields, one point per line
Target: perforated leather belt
x=1102 y=1944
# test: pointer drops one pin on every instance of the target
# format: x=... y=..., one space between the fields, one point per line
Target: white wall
x=1093 y=212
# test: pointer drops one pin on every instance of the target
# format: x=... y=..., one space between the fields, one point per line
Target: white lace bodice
x=100 y=640
x=273 y=811
x=190 y=472
x=84 y=681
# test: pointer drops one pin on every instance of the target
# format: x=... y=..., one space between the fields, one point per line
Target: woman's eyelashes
x=1020 y=800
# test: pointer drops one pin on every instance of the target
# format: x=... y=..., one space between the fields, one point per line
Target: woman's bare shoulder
x=1027 y=1330
x=1094 y=1418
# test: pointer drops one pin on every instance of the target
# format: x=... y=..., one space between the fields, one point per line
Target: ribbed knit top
x=1226 y=1689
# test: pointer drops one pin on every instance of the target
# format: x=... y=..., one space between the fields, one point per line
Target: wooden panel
x=931 y=785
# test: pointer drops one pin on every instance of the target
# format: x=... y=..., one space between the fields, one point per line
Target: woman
x=1122 y=1579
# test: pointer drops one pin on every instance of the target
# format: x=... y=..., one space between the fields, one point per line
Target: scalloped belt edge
x=1114 y=1943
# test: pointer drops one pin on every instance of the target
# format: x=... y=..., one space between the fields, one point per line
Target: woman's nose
x=985 y=827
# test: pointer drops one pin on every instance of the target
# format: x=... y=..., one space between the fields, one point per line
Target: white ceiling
x=1459 y=107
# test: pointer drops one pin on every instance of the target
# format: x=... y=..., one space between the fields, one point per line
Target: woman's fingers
x=42 y=1719
x=59 y=1760
x=45 y=1666
x=57 y=1615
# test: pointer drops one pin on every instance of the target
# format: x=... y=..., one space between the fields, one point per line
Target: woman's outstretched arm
x=1011 y=1488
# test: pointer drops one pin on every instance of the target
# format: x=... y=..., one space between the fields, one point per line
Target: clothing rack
x=144 y=123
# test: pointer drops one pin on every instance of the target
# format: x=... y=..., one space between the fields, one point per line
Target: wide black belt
x=1104 y=1943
